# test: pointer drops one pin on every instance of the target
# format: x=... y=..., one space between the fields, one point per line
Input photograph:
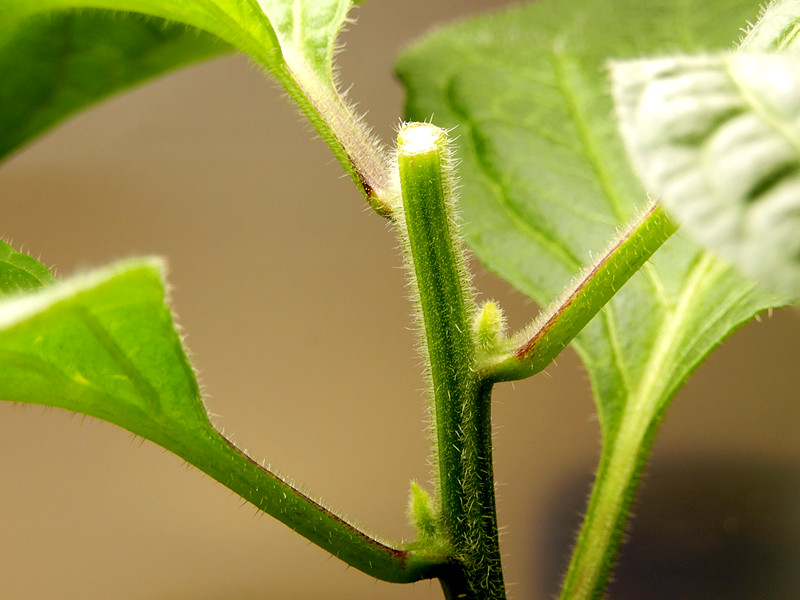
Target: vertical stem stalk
x=460 y=400
x=600 y=537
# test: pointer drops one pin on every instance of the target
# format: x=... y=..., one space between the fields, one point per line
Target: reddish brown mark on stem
x=529 y=347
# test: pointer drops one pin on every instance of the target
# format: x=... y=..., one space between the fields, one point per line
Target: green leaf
x=546 y=184
x=717 y=138
x=104 y=344
x=52 y=65
x=20 y=272
x=53 y=61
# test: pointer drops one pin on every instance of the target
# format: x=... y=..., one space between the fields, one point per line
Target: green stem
x=213 y=454
x=460 y=399
x=360 y=152
x=538 y=344
x=617 y=477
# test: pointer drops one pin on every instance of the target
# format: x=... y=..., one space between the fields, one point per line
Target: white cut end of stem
x=419 y=138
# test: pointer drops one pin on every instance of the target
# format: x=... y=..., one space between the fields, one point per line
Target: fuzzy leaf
x=778 y=28
x=717 y=138
x=102 y=344
x=546 y=183
x=306 y=32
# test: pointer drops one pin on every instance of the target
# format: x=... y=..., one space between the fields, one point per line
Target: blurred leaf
x=546 y=182
x=717 y=138
x=777 y=28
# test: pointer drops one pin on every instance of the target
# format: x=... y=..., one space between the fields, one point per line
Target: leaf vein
x=560 y=251
x=583 y=131
x=673 y=326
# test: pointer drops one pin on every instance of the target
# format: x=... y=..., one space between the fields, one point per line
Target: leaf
x=545 y=184
x=717 y=138
x=54 y=60
x=20 y=272
x=104 y=344
x=52 y=65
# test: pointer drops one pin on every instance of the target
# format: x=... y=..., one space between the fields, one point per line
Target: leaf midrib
x=646 y=397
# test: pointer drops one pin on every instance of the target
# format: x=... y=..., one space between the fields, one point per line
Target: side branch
x=537 y=345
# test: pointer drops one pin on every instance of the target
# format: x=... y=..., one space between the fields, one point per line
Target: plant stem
x=617 y=477
x=461 y=401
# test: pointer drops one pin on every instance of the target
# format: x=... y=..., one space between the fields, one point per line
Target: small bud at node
x=422 y=514
x=489 y=326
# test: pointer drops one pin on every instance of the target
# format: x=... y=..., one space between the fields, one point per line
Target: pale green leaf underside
x=777 y=29
x=717 y=138
x=546 y=182
x=307 y=31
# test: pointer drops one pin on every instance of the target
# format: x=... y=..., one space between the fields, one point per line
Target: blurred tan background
x=274 y=259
